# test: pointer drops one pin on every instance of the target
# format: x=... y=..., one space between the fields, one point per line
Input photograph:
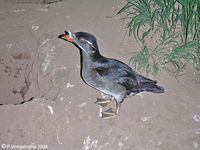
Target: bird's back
x=120 y=73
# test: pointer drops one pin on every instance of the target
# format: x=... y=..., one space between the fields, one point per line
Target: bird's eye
x=88 y=42
x=82 y=39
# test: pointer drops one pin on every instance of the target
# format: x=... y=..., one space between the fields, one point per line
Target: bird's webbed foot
x=112 y=107
x=103 y=102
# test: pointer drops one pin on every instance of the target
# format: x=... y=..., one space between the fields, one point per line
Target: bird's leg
x=111 y=111
x=103 y=102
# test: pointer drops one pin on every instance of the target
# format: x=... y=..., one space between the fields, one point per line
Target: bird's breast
x=90 y=75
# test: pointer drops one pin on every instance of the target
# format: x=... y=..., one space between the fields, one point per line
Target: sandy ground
x=61 y=115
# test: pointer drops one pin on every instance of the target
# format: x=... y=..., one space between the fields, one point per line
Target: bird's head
x=86 y=42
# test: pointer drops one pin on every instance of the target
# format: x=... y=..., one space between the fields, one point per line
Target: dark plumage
x=107 y=75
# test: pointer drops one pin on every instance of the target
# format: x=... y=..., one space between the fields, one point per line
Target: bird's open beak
x=67 y=36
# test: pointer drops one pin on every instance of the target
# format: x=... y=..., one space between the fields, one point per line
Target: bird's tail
x=155 y=89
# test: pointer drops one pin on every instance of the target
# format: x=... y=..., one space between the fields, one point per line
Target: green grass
x=173 y=26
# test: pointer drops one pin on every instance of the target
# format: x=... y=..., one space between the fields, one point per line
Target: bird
x=107 y=75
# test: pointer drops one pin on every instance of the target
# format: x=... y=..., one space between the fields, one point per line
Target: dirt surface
x=60 y=113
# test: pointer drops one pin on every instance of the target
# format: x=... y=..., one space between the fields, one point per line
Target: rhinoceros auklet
x=110 y=76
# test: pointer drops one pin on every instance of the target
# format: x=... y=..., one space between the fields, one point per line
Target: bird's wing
x=120 y=73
